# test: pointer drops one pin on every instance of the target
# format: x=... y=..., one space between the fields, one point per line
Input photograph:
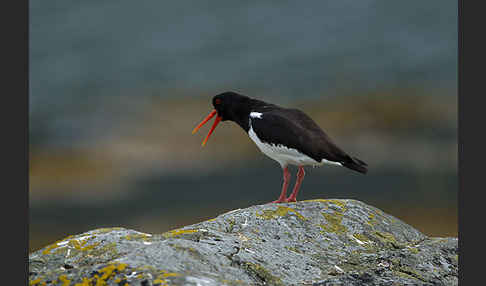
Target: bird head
x=227 y=106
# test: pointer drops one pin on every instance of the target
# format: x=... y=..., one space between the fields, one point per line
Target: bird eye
x=217 y=101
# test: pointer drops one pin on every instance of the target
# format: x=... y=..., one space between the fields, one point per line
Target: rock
x=316 y=242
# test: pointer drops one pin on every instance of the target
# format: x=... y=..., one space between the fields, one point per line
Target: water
x=83 y=51
x=286 y=48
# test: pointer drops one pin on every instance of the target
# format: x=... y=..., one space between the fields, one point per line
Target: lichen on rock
x=316 y=242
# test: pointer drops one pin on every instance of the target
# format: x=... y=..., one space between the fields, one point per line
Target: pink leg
x=300 y=178
x=283 y=194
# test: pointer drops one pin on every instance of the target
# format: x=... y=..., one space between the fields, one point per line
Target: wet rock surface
x=317 y=242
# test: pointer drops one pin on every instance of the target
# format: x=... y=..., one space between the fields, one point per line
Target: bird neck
x=241 y=115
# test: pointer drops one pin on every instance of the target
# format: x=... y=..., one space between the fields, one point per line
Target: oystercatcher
x=286 y=135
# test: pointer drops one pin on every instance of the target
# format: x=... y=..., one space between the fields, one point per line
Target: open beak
x=216 y=121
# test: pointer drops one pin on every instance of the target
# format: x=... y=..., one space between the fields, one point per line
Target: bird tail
x=356 y=164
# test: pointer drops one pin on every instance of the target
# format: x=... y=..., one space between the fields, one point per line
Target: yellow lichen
x=177 y=232
x=279 y=212
x=372 y=220
x=49 y=248
x=137 y=236
x=333 y=223
x=160 y=281
x=85 y=282
x=385 y=235
x=361 y=237
x=406 y=271
x=64 y=280
x=363 y=241
x=55 y=245
x=413 y=250
x=81 y=245
x=263 y=273
x=338 y=203
x=107 y=229
x=293 y=249
x=107 y=273
x=170 y=274
x=35 y=282
x=388 y=239
x=184 y=248
x=231 y=226
x=73 y=243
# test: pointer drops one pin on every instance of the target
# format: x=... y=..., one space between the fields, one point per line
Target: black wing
x=294 y=129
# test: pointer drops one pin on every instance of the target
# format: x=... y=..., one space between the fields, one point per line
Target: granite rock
x=315 y=242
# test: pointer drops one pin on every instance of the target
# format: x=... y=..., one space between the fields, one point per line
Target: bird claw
x=278 y=201
x=288 y=200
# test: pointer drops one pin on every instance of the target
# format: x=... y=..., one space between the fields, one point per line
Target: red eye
x=217 y=101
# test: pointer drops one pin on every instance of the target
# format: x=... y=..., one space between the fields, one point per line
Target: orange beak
x=216 y=121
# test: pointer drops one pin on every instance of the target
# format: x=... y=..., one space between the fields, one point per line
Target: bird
x=286 y=135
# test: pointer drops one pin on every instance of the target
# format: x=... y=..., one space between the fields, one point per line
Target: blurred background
x=116 y=88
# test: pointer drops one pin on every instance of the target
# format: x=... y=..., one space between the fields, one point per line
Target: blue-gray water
x=80 y=49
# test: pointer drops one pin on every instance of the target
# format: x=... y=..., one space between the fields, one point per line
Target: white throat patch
x=256 y=115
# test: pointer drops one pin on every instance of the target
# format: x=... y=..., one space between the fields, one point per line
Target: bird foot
x=291 y=200
x=279 y=201
x=288 y=200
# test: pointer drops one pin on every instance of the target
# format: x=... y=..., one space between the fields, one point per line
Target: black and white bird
x=286 y=135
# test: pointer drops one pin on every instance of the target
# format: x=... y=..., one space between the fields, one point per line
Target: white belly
x=286 y=156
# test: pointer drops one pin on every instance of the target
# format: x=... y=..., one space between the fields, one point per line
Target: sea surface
x=83 y=49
